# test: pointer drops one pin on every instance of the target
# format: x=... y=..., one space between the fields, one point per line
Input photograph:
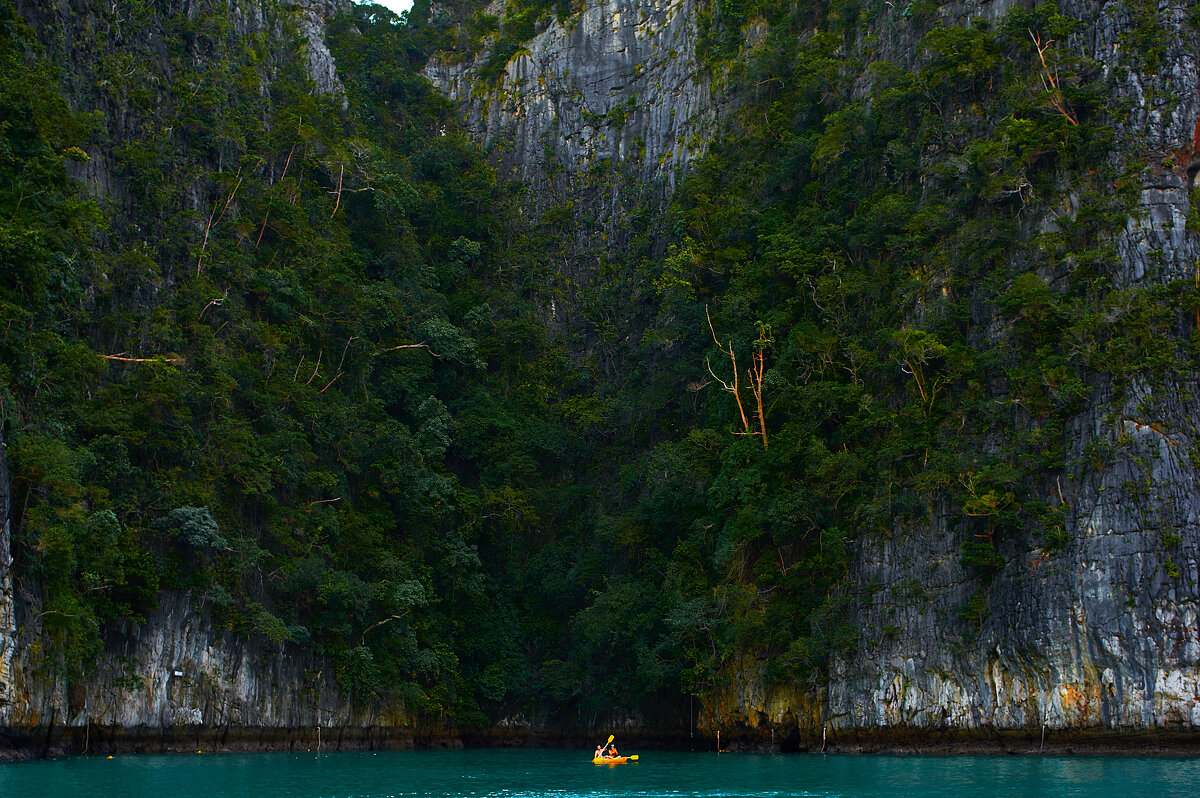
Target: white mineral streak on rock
x=318 y=61
x=224 y=680
x=619 y=82
x=8 y=619
x=1103 y=634
x=178 y=670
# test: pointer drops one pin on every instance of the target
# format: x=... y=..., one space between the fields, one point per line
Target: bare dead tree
x=755 y=374
x=1050 y=78
x=729 y=387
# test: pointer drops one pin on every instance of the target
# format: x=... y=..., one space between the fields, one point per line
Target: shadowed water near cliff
x=567 y=774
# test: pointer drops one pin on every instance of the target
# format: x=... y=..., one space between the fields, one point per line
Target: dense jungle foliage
x=287 y=350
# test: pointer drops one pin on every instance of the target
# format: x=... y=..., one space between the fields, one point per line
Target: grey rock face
x=599 y=115
x=1101 y=635
x=178 y=671
x=310 y=20
x=617 y=84
x=8 y=617
x=1104 y=635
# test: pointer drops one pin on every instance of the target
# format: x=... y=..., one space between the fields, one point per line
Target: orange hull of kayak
x=609 y=760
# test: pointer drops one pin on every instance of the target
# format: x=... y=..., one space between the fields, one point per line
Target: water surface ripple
x=570 y=774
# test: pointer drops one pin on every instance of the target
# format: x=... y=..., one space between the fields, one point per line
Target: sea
x=531 y=773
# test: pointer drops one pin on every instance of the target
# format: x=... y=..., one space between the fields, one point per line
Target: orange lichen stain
x=1081 y=698
x=1161 y=430
x=1181 y=159
x=1072 y=696
x=746 y=702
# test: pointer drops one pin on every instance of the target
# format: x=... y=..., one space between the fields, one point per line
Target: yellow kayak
x=613 y=760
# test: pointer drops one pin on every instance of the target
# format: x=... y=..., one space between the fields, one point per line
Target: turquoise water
x=570 y=774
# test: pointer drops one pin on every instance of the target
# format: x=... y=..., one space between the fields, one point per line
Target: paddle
x=607 y=743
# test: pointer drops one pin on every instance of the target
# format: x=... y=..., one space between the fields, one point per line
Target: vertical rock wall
x=1104 y=635
x=179 y=677
x=310 y=21
x=8 y=619
x=616 y=85
x=600 y=115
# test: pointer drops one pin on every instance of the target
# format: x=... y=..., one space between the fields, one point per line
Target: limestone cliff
x=71 y=30
x=179 y=679
x=600 y=114
x=8 y=620
x=1103 y=636
x=310 y=21
x=616 y=84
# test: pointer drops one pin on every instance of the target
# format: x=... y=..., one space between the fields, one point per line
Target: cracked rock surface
x=619 y=82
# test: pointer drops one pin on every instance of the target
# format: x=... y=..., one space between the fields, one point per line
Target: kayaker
x=599 y=752
x=612 y=752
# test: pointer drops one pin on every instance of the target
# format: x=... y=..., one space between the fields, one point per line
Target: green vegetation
x=925 y=349
x=519 y=25
x=292 y=355
x=239 y=372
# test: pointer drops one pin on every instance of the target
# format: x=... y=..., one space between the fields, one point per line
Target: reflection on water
x=570 y=774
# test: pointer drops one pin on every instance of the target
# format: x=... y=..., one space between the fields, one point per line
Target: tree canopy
x=289 y=351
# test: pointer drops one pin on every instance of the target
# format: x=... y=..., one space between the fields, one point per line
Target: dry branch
x=320 y=354
x=212 y=302
x=340 y=362
x=1050 y=78
x=337 y=203
x=211 y=223
x=389 y=619
x=406 y=346
x=731 y=388
x=755 y=374
x=175 y=359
